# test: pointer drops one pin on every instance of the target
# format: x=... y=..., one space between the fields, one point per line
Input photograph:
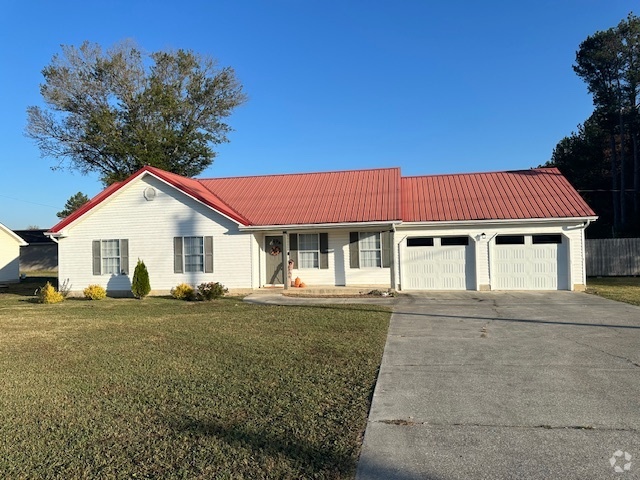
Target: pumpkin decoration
x=297 y=282
x=302 y=285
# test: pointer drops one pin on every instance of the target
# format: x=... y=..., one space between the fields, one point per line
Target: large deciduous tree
x=114 y=111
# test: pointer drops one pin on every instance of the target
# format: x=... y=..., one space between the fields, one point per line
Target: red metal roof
x=524 y=194
x=312 y=198
x=378 y=195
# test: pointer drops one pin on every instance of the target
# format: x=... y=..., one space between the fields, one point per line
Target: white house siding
x=150 y=227
x=577 y=255
x=485 y=264
x=9 y=257
x=335 y=274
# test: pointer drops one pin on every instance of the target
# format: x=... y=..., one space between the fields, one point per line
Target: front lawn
x=622 y=289
x=122 y=388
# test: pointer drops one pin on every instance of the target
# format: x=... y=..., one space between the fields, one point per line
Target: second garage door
x=438 y=263
x=530 y=262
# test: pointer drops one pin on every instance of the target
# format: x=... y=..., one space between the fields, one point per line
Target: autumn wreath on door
x=275 y=248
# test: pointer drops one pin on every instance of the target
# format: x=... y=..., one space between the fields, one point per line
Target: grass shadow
x=28 y=286
x=323 y=461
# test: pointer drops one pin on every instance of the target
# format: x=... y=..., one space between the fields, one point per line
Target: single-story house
x=10 y=244
x=41 y=253
x=521 y=230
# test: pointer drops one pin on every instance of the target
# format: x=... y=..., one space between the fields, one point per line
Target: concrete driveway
x=496 y=385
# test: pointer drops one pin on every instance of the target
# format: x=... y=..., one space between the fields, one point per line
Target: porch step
x=351 y=291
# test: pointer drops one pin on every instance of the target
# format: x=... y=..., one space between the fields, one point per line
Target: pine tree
x=140 y=284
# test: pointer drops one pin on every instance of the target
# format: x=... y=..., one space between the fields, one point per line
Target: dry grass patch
x=621 y=289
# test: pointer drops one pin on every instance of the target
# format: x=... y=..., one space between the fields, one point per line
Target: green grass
x=158 y=388
x=622 y=289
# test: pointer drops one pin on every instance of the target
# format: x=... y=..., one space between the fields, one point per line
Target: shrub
x=48 y=294
x=65 y=288
x=183 y=292
x=211 y=290
x=94 y=292
x=140 y=286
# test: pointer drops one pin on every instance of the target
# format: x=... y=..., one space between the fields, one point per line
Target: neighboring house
x=486 y=231
x=10 y=244
x=41 y=253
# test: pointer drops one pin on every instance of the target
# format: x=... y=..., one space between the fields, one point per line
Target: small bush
x=94 y=292
x=140 y=286
x=183 y=292
x=65 y=288
x=48 y=294
x=211 y=291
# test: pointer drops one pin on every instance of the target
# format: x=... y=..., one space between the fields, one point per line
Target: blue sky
x=429 y=86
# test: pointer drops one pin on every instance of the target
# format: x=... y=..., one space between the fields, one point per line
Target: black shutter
x=354 y=251
x=293 y=249
x=124 y=256
x=385 y=240
x=97 y=260
x=324 y=250
x=177 y=255
x=208 y=254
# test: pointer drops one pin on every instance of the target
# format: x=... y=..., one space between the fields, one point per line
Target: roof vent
x=149 y=193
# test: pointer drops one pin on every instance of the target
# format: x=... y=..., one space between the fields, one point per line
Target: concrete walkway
x=279 y=299
x=506 y=386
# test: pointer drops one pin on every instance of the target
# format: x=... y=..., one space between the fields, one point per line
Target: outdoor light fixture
x=483 y=236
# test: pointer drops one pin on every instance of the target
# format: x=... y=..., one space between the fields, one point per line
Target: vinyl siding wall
x=9 y=258
x=150 y=227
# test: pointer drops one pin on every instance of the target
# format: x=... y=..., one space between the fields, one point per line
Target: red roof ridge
x=524 y=170
x=298 y=174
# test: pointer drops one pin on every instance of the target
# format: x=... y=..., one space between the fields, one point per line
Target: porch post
x=285 y=259
x=393 y=257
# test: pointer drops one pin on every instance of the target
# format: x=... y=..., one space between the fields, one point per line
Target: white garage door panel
x=435 y=268
x=531 y=267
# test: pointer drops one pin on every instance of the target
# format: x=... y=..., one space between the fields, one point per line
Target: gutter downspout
x=400 y=260
x=587 y=222
x=489 y=259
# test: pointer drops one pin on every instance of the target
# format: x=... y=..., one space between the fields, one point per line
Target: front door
x=273 y=247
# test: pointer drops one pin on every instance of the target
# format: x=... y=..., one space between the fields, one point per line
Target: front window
x=193 y=254
x=110 y=253
x=370 y=250
x=308 y=250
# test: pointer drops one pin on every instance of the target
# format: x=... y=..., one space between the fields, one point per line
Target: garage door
x=530 y=262
x=438 y=263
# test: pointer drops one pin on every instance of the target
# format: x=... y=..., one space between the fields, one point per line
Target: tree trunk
x=614 y=186
x=636 y=174
x=623 y=202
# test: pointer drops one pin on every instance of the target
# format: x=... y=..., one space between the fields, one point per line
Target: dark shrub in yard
x=140 y=286
x=211 y=290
